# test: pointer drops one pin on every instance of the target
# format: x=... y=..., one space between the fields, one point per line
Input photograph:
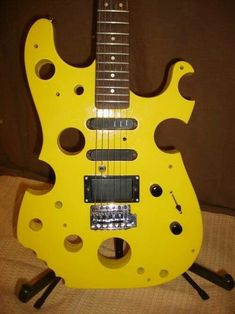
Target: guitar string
x=107 y=110
x=112 y=28
x=119 y=109
x=96 y=98
x=99 y=112
x=117 y=114
x=111 y=113
x=120 y=133
x=120 y=115
x=102 y=66
x=102 y=110
x=128 y=85
x=123 y=111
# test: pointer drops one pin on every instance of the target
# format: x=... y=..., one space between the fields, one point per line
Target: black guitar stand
x=50 y=280
x=28 y=291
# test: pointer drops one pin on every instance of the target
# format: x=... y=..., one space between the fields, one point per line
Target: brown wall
x=201 y=32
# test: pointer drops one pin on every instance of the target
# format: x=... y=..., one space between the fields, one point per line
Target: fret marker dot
x=112 y=90
x=112 y=58
x=112 y=75
x=120 y=5
x=106 y=4
x=113 y=38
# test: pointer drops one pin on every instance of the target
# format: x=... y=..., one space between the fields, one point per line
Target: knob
x=176 y=228
x=156 y=190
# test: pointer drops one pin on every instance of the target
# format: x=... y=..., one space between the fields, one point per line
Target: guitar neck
x=112 y=54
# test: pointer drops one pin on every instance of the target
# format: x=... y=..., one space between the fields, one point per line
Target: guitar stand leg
x=46 y=293
x=199 y=290
x=118 y=246
x=28 y=291
x=225 y=281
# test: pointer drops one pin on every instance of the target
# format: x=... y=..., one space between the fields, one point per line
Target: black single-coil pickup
x=111 y=154
x=111 y=124
x=102 y=189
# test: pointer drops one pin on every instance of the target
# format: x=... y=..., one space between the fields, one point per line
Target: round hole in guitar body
x=79 y=90
x=140 y=270
x=71 y=141
x=35 y=224
x=163 y=273
x=58 y=204
x=108 y=255
x=73 y=243
x=45 y=69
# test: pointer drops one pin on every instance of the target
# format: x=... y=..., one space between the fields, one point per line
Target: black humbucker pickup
x=113 y=189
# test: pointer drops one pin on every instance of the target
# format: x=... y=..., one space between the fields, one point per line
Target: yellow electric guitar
x=116 y=184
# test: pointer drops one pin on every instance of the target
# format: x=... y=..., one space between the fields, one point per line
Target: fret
x=104 y=71
x=112 y=33
x=113 y=53
x=114 y=64
x=112 y=74
x=111 y=91
x=113 y=88
x=113 y=44
x=113 y=95
x=108 y=62
x=113 y=101
x=118 y=11
x=110 y=87
x=101 y=69
x=105 y=79
x=112 y=22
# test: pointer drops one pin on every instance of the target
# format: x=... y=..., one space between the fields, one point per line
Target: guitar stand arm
x=225 y=281
x=28 y=291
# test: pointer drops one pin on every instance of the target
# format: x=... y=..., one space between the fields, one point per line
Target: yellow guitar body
x=47 y=219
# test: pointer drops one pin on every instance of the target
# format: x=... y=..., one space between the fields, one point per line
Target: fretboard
x=112 y=54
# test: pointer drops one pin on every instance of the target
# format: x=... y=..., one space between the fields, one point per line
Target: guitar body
x=167 y=234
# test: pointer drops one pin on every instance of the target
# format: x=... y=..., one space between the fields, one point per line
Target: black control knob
x=156 y=190
x=176 y=228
